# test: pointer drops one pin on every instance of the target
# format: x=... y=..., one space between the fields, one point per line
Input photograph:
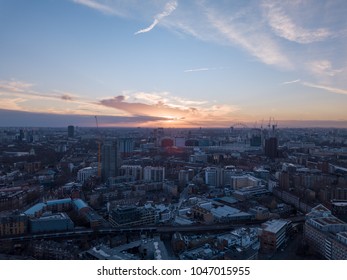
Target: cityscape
x=166 y=193
x=173 y=130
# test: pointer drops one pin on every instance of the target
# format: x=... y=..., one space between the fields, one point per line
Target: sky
x=173 y=63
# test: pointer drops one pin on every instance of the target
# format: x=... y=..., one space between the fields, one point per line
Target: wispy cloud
x=187 y=102
x=15 y=86
x=26 y=90
x=165 y=98
x=11 y=103
x=19 y=95
x=93 y=4
x=323 y=68
x=149 y=97
x=196 y=70
x=327 y=88
x=290 y=82
x=286 y=27
x=253 y=26
x=169 y=8
x=250 y=38
x=204 y=69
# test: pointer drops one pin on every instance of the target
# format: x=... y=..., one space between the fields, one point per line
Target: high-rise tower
x=110 y=159
x=70 y=131
x=271 y=147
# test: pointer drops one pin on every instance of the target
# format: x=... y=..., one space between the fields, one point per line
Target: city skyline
x=173 y=63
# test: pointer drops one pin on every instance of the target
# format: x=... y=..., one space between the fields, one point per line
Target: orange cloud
x=137 y=108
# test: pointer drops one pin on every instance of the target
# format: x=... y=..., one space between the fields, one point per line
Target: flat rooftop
x=328 y=221
x=57 y=216
x=274 y=225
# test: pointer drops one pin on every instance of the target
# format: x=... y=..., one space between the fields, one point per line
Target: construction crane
x=272 y=125
x=99 y=147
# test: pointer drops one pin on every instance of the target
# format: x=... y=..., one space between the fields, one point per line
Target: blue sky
x=174 y=63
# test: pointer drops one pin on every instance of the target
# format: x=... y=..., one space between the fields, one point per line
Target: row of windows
x=317 y=239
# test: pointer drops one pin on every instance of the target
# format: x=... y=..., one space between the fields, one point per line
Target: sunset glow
x=174 y=63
